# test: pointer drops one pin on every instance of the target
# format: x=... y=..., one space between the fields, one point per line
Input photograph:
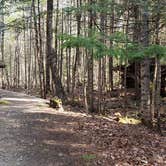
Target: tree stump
x=55 y=102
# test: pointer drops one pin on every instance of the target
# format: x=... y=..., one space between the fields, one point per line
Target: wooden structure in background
x=133 y=75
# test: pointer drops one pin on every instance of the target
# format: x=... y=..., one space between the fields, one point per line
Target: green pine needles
x=122 y=47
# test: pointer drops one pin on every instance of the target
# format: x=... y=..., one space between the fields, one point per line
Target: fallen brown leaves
x=122 y=144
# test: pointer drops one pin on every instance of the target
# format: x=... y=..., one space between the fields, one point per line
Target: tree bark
x=145 y=69
x=49 y=37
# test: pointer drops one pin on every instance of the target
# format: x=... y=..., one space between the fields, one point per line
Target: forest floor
x=32 y=134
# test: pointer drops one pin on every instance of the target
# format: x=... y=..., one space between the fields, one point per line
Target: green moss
x=4 y=102
x=42 y=105
x=55 y=102
x=39 y=105
x=89 y=157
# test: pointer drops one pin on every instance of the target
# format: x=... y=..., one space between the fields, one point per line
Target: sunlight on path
x=22 y=99
x=32 y=134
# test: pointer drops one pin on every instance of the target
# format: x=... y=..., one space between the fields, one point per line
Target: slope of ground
x=32 y=134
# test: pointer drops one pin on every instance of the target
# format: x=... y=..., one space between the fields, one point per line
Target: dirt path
x=31 y=134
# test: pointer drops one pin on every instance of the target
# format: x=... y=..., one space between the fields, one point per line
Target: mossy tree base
x=55 y=102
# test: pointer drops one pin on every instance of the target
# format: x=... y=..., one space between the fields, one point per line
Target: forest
x=97 y=69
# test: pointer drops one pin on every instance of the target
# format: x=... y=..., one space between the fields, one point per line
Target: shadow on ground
x=39 y=139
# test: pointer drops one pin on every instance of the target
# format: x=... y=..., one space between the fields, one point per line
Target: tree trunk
x=90 y=96
x=155 y=106
x=77 y=56
x=145 y=70
x=2 y=33
x=49 y=42
x=52 y=56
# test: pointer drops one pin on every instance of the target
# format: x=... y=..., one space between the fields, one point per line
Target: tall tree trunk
x=38 y=49
x=136 y=32
x=145 y=69
x=41 y=56
x=2 y=33
x=25 y=51
x=155 y=106
x=111 y=83
x=101 y=63
x=51 y=55
x=30 y=52
x=60 y=62
x=49 y=42
x=90 y=92
x=77 y=56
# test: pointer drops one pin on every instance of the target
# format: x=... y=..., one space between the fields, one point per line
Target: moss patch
x=89 y=157
x=4 y=102
x=55 y=102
